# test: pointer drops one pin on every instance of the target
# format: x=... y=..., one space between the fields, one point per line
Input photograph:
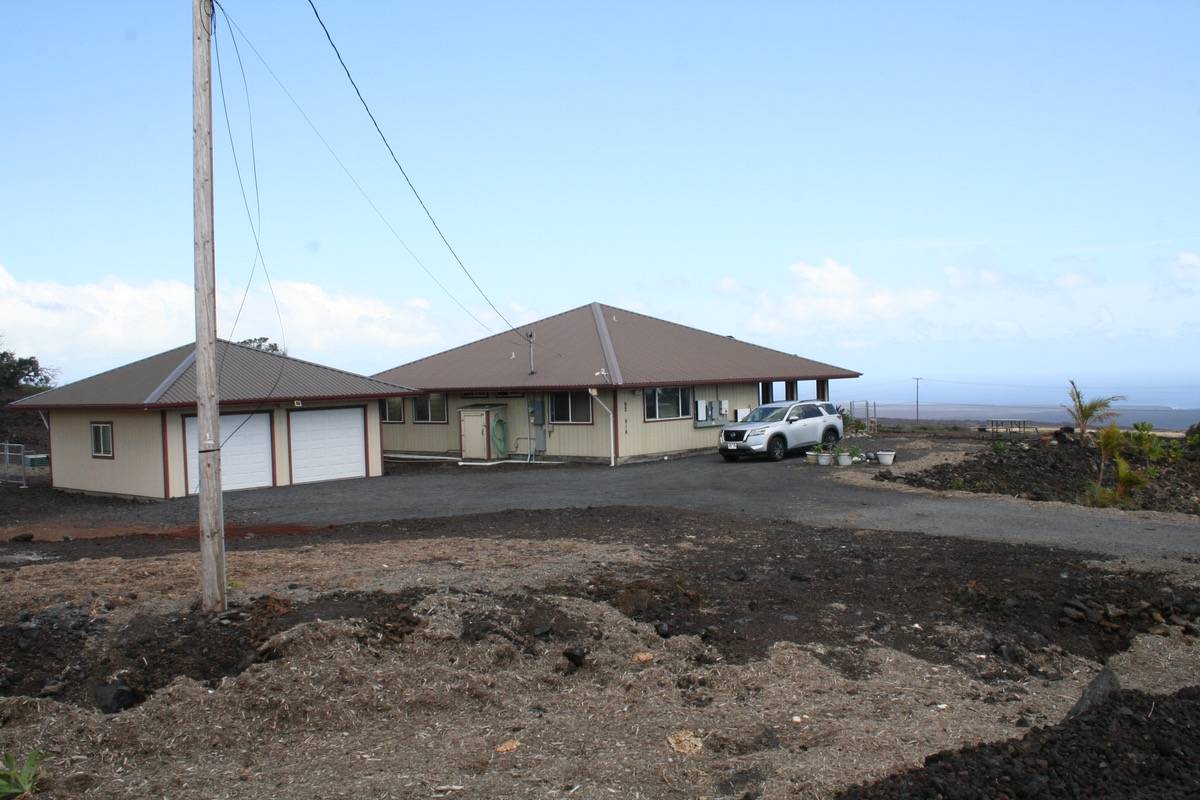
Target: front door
x=474 y=434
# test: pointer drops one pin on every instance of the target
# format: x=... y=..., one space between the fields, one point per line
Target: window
x=567 y=407
x=829 y=409
x=811 y=412
x=102 y=441
x=429 y=408
x=670 y=402
x=392 y=409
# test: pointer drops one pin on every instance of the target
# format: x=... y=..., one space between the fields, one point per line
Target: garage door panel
x=327 y=444
x=246 y=461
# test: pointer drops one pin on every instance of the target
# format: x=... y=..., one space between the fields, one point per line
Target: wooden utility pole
x=208 y=415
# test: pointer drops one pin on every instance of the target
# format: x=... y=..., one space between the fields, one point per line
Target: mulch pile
x=1062 y=470
x=73 y=654
x=1133 y=745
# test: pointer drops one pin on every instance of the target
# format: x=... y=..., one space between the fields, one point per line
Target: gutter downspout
x=612 y=452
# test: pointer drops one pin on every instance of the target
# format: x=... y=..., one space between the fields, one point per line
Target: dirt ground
x=604 y=652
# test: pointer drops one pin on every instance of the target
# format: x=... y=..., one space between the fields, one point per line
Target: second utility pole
x=918 y=380
x=208 y=414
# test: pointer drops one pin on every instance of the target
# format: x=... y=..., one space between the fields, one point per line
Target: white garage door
x=328 y=443
x=245 y=455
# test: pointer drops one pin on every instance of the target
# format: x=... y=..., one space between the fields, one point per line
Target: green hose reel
x=500 y=437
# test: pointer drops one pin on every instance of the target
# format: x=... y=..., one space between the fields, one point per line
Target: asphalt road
x=790 y=490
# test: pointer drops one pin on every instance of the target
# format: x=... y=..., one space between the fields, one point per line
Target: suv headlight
x=755 y=431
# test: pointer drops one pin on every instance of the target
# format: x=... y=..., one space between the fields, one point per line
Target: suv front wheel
x=776 y=448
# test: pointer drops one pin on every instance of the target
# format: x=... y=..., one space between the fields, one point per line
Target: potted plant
x=844 y=458
x=885 y=457
x=824 y=457
x=810 y=455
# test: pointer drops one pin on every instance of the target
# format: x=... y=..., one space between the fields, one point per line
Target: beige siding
x=136 y=468
x=175 y=453
x=443 y=439
x=640 y=437
x=636 y=437
x=575 y=440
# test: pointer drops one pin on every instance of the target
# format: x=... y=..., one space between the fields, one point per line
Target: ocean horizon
x=1163 y=418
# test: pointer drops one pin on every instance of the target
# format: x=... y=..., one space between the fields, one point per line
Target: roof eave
x=548 y=387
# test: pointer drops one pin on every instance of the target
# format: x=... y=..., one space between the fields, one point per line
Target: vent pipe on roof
x=530 y=336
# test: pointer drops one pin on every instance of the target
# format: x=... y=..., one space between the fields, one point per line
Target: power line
x=254 y=230
x=407 y=180
x=333 y=153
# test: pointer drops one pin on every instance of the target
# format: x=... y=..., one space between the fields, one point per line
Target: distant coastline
x=1161 y=417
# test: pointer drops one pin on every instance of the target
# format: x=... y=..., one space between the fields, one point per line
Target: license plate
x=731 y=445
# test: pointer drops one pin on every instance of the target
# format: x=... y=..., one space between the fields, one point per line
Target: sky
x=996 y=197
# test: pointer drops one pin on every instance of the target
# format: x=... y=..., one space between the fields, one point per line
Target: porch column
x=789 y=390
x=823 y=388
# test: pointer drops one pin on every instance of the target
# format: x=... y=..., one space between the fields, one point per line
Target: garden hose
x=500 y=437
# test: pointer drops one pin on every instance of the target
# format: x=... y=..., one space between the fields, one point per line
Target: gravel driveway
x=789 y=490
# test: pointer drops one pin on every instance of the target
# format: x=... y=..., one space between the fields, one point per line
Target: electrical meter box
x=537 y=411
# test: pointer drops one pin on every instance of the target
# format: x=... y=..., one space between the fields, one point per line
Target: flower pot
x=845 y=459
x=886 y=457
x=824 y=459
x=811 y=457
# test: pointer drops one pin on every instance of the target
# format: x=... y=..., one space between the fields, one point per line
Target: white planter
x=886 y=457
x=824 y=459
x=810 y=457
x=845 y=459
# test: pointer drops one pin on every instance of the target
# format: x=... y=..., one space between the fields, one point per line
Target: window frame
x=570 y=408
x=95 y=425
x=687 y=412
x=429 y=410
x=385 y=406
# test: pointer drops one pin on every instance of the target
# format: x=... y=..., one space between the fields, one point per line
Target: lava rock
x=21 y=537
x=1102 y=687
x=112 y=698
x=575 y=655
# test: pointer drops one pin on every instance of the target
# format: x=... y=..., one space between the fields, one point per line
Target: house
x=596 y=382
x=132 y=430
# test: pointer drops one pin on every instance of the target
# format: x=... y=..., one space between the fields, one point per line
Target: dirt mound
x=1064 y=470
x=1132 y=746
x=76 y=656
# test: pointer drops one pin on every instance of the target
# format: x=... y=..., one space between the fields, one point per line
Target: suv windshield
x=766 y=414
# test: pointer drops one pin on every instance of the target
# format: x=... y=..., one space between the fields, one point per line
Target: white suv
x=775 y=428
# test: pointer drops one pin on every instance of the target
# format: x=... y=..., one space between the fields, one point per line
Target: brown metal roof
x=634 y=349
x=247 y=375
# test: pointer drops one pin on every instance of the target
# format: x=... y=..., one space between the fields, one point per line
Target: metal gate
x=12 y=463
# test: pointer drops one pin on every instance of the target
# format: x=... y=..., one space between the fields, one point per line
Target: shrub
x=16 y=781
x=1146 y=443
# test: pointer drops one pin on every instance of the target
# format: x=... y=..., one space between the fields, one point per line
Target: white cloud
x=1186 y=269
x=829 y=278
x=1072 y=280
x=838 y=303
x=82 y=328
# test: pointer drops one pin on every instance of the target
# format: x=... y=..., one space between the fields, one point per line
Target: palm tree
x=1086 y=412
